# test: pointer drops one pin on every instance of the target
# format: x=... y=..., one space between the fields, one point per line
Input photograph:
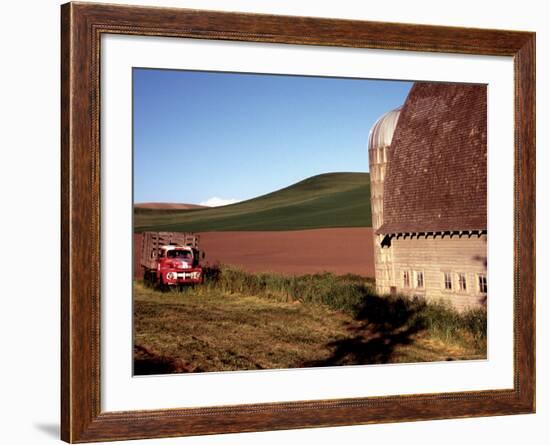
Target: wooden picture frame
x=82 y=26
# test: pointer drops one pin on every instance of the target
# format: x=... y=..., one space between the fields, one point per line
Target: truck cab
x=177 y=265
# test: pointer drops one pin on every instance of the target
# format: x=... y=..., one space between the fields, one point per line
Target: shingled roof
x=437 y=175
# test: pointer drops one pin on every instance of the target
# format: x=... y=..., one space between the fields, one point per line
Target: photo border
x=81 y=28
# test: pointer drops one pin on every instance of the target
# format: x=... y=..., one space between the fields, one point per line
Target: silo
x=380 y=138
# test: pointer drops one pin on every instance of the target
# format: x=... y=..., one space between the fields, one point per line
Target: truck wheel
x=161 y=285
x=147 y=278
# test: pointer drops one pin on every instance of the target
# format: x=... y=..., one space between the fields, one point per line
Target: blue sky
x=232 y=136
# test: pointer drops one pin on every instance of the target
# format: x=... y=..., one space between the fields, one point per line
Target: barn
x=428 y=167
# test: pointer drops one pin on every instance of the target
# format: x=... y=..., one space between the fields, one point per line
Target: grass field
x=328 y=200
x=241 y=321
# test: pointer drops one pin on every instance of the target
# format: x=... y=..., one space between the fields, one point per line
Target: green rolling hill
x=327 y=200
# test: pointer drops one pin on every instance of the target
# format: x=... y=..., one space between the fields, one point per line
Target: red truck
x=171 y=258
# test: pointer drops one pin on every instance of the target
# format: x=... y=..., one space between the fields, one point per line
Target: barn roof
x=437 y=175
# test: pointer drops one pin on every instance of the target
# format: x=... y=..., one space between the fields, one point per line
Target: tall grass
x=357 y=297
x=344 y=293
x=444 y=322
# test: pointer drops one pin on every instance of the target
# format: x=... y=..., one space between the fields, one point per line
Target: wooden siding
x=435 y=255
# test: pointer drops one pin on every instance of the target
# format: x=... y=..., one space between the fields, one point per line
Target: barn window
x=448 y=280
x=406 y=279
x=462 y=282
x=419 y=279
x=482 y=281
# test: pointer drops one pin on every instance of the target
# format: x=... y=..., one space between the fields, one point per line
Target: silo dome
x=381 y=132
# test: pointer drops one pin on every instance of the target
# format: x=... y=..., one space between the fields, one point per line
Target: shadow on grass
x=382 y=324
x=378 y=327
x=147 y=362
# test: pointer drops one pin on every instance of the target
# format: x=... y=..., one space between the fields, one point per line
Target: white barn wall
x=435 y=255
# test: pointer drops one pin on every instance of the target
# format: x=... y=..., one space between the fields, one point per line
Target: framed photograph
x=274 y=222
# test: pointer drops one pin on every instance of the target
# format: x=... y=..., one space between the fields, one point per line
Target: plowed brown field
x=297 y=252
